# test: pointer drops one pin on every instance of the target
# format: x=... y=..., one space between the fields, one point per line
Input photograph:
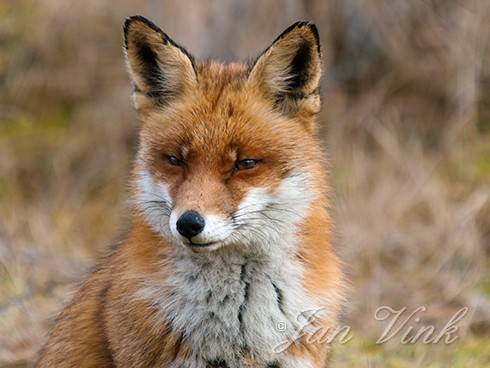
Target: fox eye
x=247 y=164
x=174 y=161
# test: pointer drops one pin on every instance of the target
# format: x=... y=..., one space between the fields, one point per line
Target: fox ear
x=160 y=69
x=288 y=72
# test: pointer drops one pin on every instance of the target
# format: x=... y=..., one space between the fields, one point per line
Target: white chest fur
x=244 y=298
x=229 y=305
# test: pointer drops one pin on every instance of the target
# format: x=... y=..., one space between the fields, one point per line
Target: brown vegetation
x=407 y=127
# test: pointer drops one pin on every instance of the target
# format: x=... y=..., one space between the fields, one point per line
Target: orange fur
x=213 y=114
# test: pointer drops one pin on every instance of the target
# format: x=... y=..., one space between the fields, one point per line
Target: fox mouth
x=199 y=245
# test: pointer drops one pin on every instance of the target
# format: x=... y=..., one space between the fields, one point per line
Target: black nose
x=190 y=224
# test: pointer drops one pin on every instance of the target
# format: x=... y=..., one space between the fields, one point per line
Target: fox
x=229 y=259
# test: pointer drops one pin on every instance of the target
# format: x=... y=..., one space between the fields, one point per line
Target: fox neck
x=239 y=294
x=229 y=298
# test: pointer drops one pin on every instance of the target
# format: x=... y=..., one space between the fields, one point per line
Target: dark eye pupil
x=174 y=161
x=247 y=164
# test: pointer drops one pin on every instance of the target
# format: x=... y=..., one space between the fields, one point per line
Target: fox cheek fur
x=281 y=87
x=230 y=234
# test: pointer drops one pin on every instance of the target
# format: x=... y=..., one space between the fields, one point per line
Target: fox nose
x=190 y=223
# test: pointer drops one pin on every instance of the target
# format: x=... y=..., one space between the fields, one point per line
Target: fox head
x=228 y=155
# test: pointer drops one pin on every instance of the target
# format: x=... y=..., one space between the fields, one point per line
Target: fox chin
x=230 y=242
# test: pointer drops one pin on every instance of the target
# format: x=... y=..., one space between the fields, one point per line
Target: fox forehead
x=222 y=118
x=220 y=94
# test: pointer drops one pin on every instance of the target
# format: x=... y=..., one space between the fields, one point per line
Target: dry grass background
x=406 y=123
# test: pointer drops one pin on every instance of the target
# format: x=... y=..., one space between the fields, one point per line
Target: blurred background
x=405 y=119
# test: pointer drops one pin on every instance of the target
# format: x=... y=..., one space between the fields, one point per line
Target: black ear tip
x=138 y=19
x=132 y=19
x=314 y=31
x=302 y=24
x=311 y=27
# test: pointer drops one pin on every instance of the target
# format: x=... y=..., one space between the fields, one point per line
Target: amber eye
x=247 y=164
x=174 y=161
